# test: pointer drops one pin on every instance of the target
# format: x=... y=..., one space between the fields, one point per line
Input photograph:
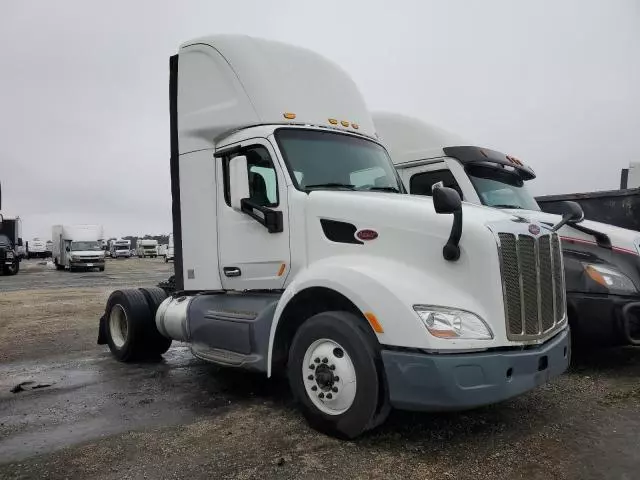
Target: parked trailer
x=170 y=250
x=602 y=262
x=317 y=266
x=615 y=207
x=78 y=247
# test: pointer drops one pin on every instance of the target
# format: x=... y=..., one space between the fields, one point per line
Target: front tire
x=335 y=374
x=12 y=269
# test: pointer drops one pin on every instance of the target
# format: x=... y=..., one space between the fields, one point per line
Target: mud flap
x=102 y=333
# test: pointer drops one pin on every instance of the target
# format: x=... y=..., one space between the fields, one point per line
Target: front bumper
x=436 y=382
x=605 y=320
x=87 y=263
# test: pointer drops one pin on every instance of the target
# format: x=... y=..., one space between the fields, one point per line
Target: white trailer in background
x=297 y=253
x=147 y=248
x=169 y=255
x=76 y=247
x=36 y=248
x=633 y=180
x=120 y=248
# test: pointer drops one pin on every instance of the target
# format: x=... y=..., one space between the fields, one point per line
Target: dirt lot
x=95 y=418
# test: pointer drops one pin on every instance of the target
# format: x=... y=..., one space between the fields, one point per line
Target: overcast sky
x=84 y=128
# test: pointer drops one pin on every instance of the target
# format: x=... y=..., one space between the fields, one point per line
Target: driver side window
x=422 y=183
x=263 y=183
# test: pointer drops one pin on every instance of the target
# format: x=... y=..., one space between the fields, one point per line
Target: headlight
x=612 y=280
x=9 y=254
x=451 y=323
x=74 y=258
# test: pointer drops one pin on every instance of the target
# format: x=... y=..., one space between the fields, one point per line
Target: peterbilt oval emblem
x=367 y=234
x=534 y=229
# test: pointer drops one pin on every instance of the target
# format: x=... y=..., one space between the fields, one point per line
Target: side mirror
x=573 y=213
x=447 y=200
x=68 y=249
x=238 y=181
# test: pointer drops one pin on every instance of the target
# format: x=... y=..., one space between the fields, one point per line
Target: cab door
x=250 y=257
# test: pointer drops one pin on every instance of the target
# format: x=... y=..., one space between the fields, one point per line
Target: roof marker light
x=344 y=123
x=355 y=125
x=289 y=115
x=333 y=121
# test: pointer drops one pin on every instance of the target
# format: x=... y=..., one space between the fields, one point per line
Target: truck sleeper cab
x=602 y=262
x=318 y=266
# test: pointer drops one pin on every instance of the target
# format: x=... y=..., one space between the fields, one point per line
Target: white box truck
x=317 y=266
x=77 y=247
x=120 y=248
x=602 y=262
x=147 y=248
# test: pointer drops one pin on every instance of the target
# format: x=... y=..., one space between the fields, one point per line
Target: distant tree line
x=162 y=239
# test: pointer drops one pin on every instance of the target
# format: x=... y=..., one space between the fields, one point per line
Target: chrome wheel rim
x=329 y=377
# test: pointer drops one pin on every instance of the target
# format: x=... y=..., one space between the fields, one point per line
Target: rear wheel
x=158 y=343
x=334 y=370
x=131 y=331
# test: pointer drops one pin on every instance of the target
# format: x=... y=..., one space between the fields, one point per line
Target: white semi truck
x=317 y=266
x=602 y=262
x=36 y=248
x=120 y=248
x=147 y=248
x=77 y=247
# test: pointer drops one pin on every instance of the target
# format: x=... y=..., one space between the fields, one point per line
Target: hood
x=625 y=240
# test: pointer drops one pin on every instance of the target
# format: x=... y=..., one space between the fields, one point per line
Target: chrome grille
x=533 y=284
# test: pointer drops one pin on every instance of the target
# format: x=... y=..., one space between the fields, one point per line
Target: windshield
x=148 y=247
x=318 y=159
x=84 y=246
x=4 y=241
x=499 y=188
x=122 y=247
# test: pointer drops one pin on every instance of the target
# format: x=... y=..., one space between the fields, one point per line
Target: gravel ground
x=182 y=418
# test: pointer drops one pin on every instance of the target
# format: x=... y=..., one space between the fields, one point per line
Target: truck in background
x=78 y=247
x=9 y=230
x=147 y=248
x=11 y=227
x=602 y=262
x=170 y=250
x=37 y=248
x=162 y=251
x=317 y=266
x=49 y=248
x=120 y=248
x=614 y=207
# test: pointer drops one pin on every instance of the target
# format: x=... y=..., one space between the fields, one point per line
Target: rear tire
x=157 y=343
x=130 y=326
x=344 y=342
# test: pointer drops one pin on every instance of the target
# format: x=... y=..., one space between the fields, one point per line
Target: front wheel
x=335 y=373
x=12 y=269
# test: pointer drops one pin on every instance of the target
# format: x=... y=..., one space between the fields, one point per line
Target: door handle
x=232 y=271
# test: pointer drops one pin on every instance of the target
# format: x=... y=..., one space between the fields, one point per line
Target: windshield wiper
x=385 y=189
x=331 y=185
x=518 y=207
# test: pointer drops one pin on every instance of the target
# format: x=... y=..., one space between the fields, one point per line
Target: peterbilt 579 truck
x=318 y=266
x=602 y=262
